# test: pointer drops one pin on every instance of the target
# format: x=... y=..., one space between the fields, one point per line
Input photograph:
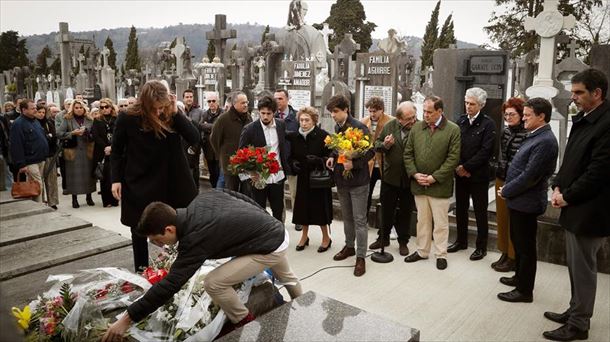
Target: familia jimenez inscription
x=298 y=77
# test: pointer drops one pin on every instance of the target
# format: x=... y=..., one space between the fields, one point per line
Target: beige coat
x=385 y=118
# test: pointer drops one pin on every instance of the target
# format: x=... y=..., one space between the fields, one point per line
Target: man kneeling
x=217 y=224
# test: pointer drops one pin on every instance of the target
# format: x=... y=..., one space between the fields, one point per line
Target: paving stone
x=314 y=317
x=5 y=197
x=37 y=226
x=12 y=210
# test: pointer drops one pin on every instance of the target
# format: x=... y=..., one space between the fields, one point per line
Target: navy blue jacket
x=28 y=142
x=253 y=134
x=290 y=119
x=527 y=176
x=478 y=142
x=584 y=173
x=360 y=172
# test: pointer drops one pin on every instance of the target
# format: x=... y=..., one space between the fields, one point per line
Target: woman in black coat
x=147 y=160
x=308 y=152
x=102 y=129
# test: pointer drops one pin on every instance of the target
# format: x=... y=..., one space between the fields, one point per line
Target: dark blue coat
x=527 y=177
x=292 y=124
x=253 y=134
x=28 y=142
x=477 y=148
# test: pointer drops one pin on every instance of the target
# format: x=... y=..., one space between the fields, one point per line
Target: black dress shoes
x=441 y=263
x=456 y=246
x=509 y=281
x=322 y=249
x=478 y=254
x=515 y=296
x=566 y=333
x=302 y=247
x=503 y=258
x=414 y=257
x=298 y=227
x=561 y=318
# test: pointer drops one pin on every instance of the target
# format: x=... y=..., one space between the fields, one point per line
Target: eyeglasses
x=211 y=101
x=510 y=114
x=104 y=107
x=123 y=105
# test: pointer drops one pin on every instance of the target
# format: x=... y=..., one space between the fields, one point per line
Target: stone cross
x=336 y=58
x=573 y=46
x=547 y=25
x=348 y=47
x=220 y=34
x=178 y=51
x=147 y=72
x=63 y=38
x=326 y=32
x=81 y=59
x=105 y=53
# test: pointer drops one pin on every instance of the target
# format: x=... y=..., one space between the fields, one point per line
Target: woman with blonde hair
x=312 y=206
x=75 y=131
x=147 y=160
x=103 y=129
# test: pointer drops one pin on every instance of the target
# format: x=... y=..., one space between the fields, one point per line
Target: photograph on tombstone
x=382 y=75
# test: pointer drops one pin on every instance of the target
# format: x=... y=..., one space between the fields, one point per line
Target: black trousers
x=375 y=176
x=275 y=194
x=396 y=207
x=140 y=250
x=214 y=170
x=523 y=229
x=106 y=185
x=195 y=172
x=464 y=190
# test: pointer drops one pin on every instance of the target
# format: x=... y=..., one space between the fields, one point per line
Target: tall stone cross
x=335 y=59
x=547 y=25
x=178 y=51
x=348 y=47
x=326 y=32
x=573 y=46
x=219 y=35
x=63 y=38
x=105 y=53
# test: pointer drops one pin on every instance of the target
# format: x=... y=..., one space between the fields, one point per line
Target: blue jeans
x=221 y=180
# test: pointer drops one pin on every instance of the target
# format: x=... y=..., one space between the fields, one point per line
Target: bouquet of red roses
x=257 y=161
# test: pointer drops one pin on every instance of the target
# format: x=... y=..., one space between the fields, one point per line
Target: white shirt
x=473 y=118
x=537 y=128
x=284 y=244
x=272 y=141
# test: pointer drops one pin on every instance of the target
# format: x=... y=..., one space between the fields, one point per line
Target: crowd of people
x=149 y=150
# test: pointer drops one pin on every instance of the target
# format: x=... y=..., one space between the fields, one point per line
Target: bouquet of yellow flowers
x=349 y=145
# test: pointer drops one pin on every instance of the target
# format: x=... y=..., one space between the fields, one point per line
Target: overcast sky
x=408 y=17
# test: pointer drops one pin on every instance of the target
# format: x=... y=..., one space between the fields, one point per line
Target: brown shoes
x=403 y=249
x=507 y=266
x=360 y=267
x=345 y=253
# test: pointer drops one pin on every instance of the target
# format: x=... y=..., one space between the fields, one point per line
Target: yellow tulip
x=23 y=317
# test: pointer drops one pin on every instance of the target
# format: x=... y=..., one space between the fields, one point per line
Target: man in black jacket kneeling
x=217 y=224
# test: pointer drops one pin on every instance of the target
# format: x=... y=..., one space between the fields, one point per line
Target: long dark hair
x=153 y=92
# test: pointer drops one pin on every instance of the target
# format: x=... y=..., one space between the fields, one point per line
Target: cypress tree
x=112 y=55
x=132 y=59
x=430 y=37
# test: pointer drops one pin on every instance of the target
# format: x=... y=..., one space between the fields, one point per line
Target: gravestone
x=377 y=75
x=40 y=93
x=326 y=32
x=459 y=69
x=548 y=24
x=219 y=35
x=348 y=47
x=178 y=52
x=525 y=71
x=272 y=53
x=314 y=317
x=82 y=79
x=108 y=82
x=63 y=40
x=600 y=59
x=300 y=81
x=300 y=40
x=332 y=88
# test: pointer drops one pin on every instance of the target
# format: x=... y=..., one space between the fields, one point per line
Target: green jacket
x=394 y=172
x=435 y=154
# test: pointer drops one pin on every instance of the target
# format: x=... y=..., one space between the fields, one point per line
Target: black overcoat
x=150 y=168
x=584 y=173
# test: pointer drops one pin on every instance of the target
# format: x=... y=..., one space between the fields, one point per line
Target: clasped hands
x=557 y=200
x=461 y=171
x=424 y=179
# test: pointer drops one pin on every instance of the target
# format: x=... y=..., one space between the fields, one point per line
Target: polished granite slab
x=314 y=317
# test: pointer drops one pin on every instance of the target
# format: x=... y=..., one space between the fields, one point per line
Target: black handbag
x=70 y=142
x=321 y=179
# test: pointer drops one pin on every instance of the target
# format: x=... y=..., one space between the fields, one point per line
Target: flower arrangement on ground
x=256 y=161
x=350 y=144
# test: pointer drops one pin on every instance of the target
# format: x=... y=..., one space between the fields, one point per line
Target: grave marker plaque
x=299 y=80
x=377 y=75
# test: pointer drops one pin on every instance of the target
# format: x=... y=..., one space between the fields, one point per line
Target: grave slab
x=38 y=226
x=29 y=256
x=314 y=317
x=5 y=197
x=13 y=210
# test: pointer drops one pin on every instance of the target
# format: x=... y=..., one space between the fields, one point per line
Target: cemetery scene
x=167 y=183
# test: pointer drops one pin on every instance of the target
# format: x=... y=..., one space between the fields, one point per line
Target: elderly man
x=431 y=155
x=395 y=189
x=525 y=191
x=225 y=137
x=581 y=190
x=478 y=135
x=122 y=105
x=205 y=126
x=374 y=122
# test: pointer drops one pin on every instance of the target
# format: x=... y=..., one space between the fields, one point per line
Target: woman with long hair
x=147 y=160
x=103 y=129
x=78 y=152
x=308 y=153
